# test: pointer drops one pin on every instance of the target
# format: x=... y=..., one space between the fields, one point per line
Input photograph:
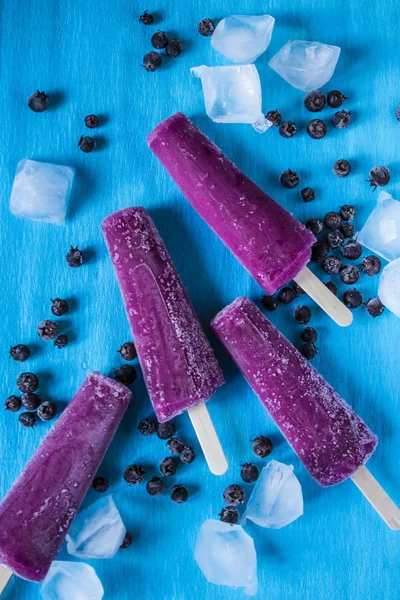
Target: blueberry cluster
x=27 y=384
x=160 y=41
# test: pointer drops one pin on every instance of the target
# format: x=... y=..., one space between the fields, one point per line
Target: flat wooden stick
x=5 y=576
x=376 y=495
x=208 y=439
x=324 y=297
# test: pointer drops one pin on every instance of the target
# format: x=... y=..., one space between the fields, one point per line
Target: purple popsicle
x=179 y=366
x=38 y=510
x=330 y=439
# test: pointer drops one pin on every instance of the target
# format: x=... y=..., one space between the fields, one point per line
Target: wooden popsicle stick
x=208 y=439
x=324 y=297
x=376 y=495
x=5 y=576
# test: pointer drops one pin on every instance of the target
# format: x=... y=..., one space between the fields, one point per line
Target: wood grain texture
x=87 y=56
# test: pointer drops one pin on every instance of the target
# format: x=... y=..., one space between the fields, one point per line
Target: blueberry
x=299 y=290
x=47 y=411
x=262 y=446
x=13 y=403
x=351 y=250
x=371 y=265
x=152 y=61
x=128 y=351
x=27 y=419
x=335 y=238
x=352 y=298
x=20 y=352
x=317 y=129
x=349 y=274
x=61 y=341
x=74 y=257
x=332 y=265
x=38 y=101
x=47 y=329
x=289 y=179
x=134 y=474
x=147 y=427
x=59 y=307
x=159 y=40
x=287 y=129
x=315 y=226
x=127 y=541
x=168 y=466
x=374 y=307
x=347 y=229
x=174 y=48
x=275 y=117
x=347 y=212
x=398 y=113
x=179 y=494
x=379 y=176
x=175 y=445
x=146 y=18
x=308 y=194
x=100 y=484
x=335 y=98
x=319 y=251
x=315 y=101
x=187 y=455
x=302 y=314
x=332 y=220
x=126 y=374
x=249 y=473
x=92 y=121
x=309 y=335
x=155 y=486
x=341 y=168
x=86 y=143
x=331 y=287
x=229 y=514
x=341 y=119
x=270 y=302
x=286 y=295
x=308 y=350
x=27 y=383
x=234 y=495
x=165 y=430
x=30 y=401
x=206 y=27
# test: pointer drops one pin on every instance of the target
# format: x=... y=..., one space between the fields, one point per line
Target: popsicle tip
x=178 y=116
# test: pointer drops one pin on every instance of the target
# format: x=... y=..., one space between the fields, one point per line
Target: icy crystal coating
x=389 y=287
x=40 y=191
x=97 y=531
x=71 y=581
x=179 y=366
x=226 y=555
x=276 y=499
x=330 y=439
x=243 y=38
x=306 y=65
x=381 y=232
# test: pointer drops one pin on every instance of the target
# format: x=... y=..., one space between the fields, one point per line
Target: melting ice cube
x=232 y=94
x=97 y=531
x=277 y=499
x=71 y=581
x=381 y=232
x=40 y=191
x=226 y=555
x=389 y=287
x=305 y=65
x=243 y=38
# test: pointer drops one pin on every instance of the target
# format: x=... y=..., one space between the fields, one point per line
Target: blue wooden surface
x=87 y=56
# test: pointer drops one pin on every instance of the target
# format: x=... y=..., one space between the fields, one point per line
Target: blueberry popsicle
x=178 y=363
x=267 y=240
x=327 y=435
x=36 y=513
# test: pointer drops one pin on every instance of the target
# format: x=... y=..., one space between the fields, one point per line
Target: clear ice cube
x=305 y=65
x=232 y=94
x=389 y=287
x=97 y=531
x=381 y=232
x=40 y=191
x=277 y=499
x=243 y=38
x=226 y=555
x=71 y=581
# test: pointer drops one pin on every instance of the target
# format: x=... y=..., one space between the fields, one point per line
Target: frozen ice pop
x=179 y=366
x=267 y=240
x=36 y=513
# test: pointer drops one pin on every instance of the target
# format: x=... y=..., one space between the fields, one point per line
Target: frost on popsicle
x=381 y=232
x=97 y=531
x=243 y=38
x=305 y=65
x=232 y=95
x=70 y=581
x=277 y=499
x=389 y=287
x=226 y=555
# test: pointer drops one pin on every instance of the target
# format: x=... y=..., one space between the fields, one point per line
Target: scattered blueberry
x=347 y=229
x=270 y=302
x=20 y=352
x=379 y=176
x=349 y=274
x=286 y=295
x=174 y=48
x=187 y=455
x=287 y=129
x=168 y=466
x=175 y=445
x=331 y=287
x=30 y=401
x=134 y=474
x=316 y=226
x=206 y=27
x=146 y=18
x=309 y=335
x=352 y=298
x=302 y=314
x=275 y=117
x=308 y=194
x=61 y=341
x=179 y=494
x=147 y=427
x=347 y=212
x=59 y=307
x=299 y=290
x=13 y=403
x=127 y=541
x=159 y=40
x=47 y=411
x=152 y=61
x=317 y=129
x=249 y=473
x=100 y=484
x=371 y=265
x=38 y=101
x=335 y=238
x=352 y=250
x=335 y=98
x=234 y=495
x=27 y=419
x=315 y=101
x=289 y=179
x=86 y=143
x=341 y=119
x=332 y=220
x=332 y=265
x=341 y=168
x=128 y=351
x=308 y=350
x=262 y=446
x=27 y=383
x=398 y=113
x=126 y=374
x=165 y=430
x=155 y=486
x=374 y=307
x=47 y=329
x=319 y=251
x=229 y=514
x=92 y=121
x=74 y=257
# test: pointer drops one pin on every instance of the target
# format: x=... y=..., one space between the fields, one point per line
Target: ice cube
x=389 y=287
x=40 y=191
x=226 y=555
x=243 y=38
x=305 y=65
x=71 y=581
x=97 y=531
x=381 y=232
x=232 y=94
x=277 y=499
